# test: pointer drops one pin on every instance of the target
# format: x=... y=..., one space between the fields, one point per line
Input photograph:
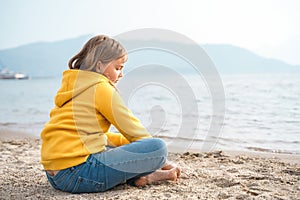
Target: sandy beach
x=205 y=175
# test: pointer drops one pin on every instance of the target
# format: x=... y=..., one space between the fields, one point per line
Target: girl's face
x=113 y=70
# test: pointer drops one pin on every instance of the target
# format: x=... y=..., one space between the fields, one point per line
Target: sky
x=270 y=28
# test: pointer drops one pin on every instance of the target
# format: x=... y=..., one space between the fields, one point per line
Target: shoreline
x=6 y=134
x=205 y=175
x=9 y=134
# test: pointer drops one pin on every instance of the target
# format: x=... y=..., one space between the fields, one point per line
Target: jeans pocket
x=61 y=175
x=84 y=185
x=65 y=179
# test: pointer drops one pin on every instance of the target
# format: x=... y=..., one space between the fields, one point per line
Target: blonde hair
x=99 y=48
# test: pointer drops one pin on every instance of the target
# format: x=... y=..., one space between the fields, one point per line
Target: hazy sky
x=268 y=27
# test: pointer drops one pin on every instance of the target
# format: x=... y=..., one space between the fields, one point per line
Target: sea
x=247 y=112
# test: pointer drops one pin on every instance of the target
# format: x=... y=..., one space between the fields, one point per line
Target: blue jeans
x=106 y=169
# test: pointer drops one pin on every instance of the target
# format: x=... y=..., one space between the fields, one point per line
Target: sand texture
x=213 y=175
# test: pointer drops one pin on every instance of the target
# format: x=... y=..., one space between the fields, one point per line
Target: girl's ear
x=99 y=67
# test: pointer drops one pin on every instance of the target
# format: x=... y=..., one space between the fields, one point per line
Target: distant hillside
x=42 y=58
x=51 y=58
x=232 y=59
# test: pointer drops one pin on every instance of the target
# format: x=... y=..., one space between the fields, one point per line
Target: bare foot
x=156 y=176
x=141 y=182
x=171 y=165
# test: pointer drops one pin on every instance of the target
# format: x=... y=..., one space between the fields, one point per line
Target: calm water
x=262 y=112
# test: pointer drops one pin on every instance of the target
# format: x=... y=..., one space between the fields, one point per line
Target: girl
x=78 y=152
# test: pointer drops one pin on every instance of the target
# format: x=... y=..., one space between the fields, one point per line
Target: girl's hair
x=99 y=48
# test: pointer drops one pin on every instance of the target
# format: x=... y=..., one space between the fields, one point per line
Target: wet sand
x=205 y=175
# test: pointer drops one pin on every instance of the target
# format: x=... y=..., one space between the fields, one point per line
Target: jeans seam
x=128 y=161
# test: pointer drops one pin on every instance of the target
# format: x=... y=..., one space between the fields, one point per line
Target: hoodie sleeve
x=116 y=139
x=111 y=106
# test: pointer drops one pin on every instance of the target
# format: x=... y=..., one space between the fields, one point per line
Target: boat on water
x=8 y=74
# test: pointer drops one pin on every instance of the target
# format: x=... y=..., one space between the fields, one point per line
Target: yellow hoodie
x=85 y=107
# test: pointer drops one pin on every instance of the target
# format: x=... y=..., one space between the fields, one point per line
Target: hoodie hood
x=74 y=82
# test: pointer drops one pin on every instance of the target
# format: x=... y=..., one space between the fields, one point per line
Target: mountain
x=232 y=59
x=42 y=58
x=51 y=58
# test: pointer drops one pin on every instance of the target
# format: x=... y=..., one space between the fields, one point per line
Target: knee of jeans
x=160 y=145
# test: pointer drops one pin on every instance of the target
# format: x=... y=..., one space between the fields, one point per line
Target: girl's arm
x=111 y=106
